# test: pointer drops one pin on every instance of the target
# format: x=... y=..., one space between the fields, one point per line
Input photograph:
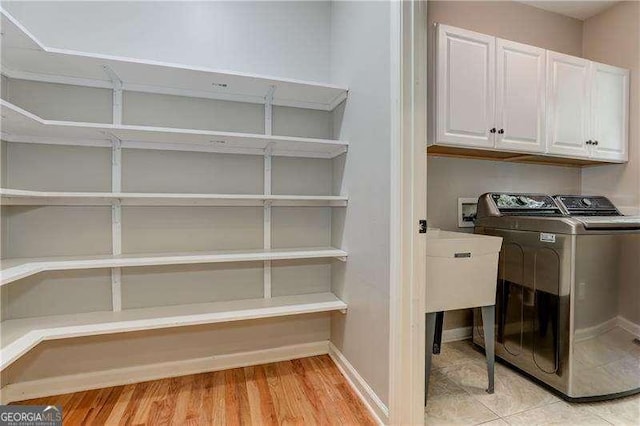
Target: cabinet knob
x=589 y=142
x=595 y=142
x=493 y=130
x=501 y=131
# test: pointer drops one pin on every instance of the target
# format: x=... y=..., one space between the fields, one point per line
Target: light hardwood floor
x=307 y=391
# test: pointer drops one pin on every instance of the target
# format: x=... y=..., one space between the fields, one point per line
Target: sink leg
x=437 y=339
x=430 y=330
x=488 y=325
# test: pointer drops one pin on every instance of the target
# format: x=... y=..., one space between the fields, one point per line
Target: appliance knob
x=587 y=202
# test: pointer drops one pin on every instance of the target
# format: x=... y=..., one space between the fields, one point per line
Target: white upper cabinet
x=520 y=97
x=511 y=98
x=465 y=88
x=609 y=112
x=568 y=102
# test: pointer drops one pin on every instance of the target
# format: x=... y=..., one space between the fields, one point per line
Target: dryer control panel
x=587 y=205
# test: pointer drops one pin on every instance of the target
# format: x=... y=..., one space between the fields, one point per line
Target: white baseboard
x=631 y=327
x=455 y=334
x=122 y=376
x=596 y=330
x=376 y=407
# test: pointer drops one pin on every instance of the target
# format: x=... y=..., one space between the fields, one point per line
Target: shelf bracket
x=116 y=157
x=117 y=93
x=268 y=150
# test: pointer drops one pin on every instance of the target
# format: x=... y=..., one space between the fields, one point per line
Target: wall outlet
x=467 y=210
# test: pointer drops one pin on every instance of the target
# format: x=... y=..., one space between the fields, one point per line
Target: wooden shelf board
x=482 y=154
x=15 y=269
x=19 y=125
x=21 y=335
x=27 y=197
x=25 y=57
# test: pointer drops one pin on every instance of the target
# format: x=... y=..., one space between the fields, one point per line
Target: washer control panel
x=526 y=204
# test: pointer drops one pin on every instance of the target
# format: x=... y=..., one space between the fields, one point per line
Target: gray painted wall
x=285 y=39
x=361 y=58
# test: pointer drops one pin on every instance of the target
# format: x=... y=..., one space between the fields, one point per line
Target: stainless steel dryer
x=568 y=295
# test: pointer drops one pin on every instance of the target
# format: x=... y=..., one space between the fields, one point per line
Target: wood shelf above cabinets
x=514 y=157
x=21 y=335
x=15 y=269
x=19 y=125
x=18 y=197
x=25 y=57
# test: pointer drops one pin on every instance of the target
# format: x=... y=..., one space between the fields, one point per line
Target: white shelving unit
x=15 y=269
x=24 y=57
x=21 y=335
x=22 y=126
x=18 y=197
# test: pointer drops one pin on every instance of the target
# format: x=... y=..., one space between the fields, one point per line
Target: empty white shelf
x=21 y=335
x=19 y=125
x=15 y=269
x=23 y=56
x=26 y=197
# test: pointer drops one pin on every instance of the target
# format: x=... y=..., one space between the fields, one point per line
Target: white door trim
x=408 y=206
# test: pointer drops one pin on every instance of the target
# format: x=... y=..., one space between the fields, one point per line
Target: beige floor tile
x=439 y=385
x=456 y=409
x=457 y=396
x=449 y=404
x=454 y=353
x=620 y=412
x=496 y=422
x=513 y=393
x=558 y=413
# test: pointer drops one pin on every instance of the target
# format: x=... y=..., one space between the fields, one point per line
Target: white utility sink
x=462 y=270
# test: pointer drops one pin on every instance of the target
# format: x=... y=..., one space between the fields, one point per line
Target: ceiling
x=579 y=9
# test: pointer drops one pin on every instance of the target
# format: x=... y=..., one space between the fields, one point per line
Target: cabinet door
x=567 y=105
x=520 y=97
x=465 y=88
x=609 y=112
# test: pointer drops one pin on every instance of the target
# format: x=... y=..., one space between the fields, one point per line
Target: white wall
x=360 y=60
x=285 y=39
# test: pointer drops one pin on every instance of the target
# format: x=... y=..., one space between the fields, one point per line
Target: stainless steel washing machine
x=568 y=294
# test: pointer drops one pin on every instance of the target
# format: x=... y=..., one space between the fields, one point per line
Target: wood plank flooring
x=306 y=391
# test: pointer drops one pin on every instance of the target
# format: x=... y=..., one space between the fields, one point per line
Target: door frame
x=408 y=206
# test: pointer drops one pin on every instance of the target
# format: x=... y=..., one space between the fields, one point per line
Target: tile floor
x=457 y=396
